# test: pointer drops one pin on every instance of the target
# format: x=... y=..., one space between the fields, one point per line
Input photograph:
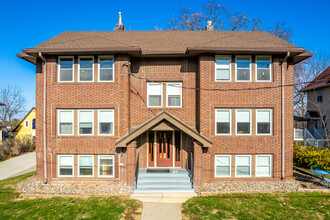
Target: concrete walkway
x=161 y=211
x=18 y=165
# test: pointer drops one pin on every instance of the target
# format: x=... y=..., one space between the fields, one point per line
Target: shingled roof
x=164 y=42
x=321 y=80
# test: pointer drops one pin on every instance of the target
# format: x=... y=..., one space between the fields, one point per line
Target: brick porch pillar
x=131 y=163
x=198 y=154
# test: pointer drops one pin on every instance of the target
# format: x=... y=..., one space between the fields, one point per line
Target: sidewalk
x=18 y=166
x=161 y=211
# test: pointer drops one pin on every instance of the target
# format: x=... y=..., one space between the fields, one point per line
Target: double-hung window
x=155 y=94
x=263 y=68
x=243 y=68
x=27 y=123
x=319 y=95
x=264 y=165
x=86 y=165
x=65 y=69
x=106 y=122
x=86 y=73
x=106 y=166
x=65 y=122
x=106 y=69
x=222 y=165
x=222 y=68
x=86 y=122
x=264 y=121
x=243 y=165
x=174 y=94
x=65 y=165
x=223 y=121
x=33 y=122
x=243 y=122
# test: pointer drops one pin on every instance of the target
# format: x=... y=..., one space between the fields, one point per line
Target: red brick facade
x=130 y=110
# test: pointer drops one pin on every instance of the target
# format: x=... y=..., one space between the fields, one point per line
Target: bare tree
x=256 y=24
x=238 y=22
x=282 y=31
x=14 y=104
x=305 y=72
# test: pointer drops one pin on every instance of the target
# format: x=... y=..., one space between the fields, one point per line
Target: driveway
x=18 y=166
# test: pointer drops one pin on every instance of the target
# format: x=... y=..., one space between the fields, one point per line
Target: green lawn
x=295 y=205
x=14 y=206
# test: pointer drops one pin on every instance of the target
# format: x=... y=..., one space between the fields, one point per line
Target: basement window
x=222 y=165
x=263 y=165
x=243 y=165
x=65 y=165
x=106 y=166
x=86 y=165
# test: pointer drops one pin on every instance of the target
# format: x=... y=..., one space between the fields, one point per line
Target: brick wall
x=197 y=111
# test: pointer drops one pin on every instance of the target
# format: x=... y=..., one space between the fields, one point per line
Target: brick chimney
x=209 y=26
x=120 y=26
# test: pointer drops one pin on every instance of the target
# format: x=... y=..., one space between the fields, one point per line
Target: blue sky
x=28 y=23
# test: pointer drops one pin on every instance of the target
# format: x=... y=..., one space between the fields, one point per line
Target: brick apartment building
x=114 y=104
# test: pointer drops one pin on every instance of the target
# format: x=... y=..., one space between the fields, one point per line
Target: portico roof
x=168 y=120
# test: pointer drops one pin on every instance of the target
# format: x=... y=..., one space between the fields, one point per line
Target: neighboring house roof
x=164 y=43
x=322 y=80
x=15 y=129
x=312 y=115
x=160 y=120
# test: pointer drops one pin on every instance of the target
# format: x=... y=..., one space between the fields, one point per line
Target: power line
x=243 y=89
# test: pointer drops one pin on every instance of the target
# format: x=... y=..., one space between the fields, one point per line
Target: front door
x=164 y=149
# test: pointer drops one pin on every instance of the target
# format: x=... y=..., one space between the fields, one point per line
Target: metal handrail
x=137 y=170
x=192 y=168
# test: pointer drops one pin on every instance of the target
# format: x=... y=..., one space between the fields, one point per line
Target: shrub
x=16 y=146
x=306 y=157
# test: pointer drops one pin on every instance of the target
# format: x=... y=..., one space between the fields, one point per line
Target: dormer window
x=319 y=95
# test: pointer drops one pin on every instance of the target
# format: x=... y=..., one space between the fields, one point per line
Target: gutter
x=283 y=114
x=44 y=71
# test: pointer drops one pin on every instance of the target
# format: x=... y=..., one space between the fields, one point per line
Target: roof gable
x=163 y=116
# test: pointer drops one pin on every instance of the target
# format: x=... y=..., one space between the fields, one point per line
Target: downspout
x=128 y=64
x=283 y=114
x=44 y=70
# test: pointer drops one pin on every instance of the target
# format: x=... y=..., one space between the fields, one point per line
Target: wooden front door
x=164 y=149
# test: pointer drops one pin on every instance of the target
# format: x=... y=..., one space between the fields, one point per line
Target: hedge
x=306 y=157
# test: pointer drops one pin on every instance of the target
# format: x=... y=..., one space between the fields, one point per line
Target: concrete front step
x=165 y=190
x=164 y=175
x=147 y=185
x=163 y=197
x=163 y=179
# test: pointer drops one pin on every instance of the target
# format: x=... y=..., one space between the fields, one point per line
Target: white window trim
x=271 y=121
x=59 y=69
x=98 y=122
x=92 y=110
x=270 y=69
x=237 y=121
x=230 y=122
x=25 y=123
x=161 y=94
x=32 y=124
x=250 y=156
x=99 y=165
x=58 y=165
x=79 y=69
x=99 y=67
x=58 y=122
x=215 y=165
x=250 y=57
x=79 y=166
x=167 y=84
x=270 y=165
x=215 y=68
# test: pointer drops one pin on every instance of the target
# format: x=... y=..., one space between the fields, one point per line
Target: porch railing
x=192 y=168
x=137 y=170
